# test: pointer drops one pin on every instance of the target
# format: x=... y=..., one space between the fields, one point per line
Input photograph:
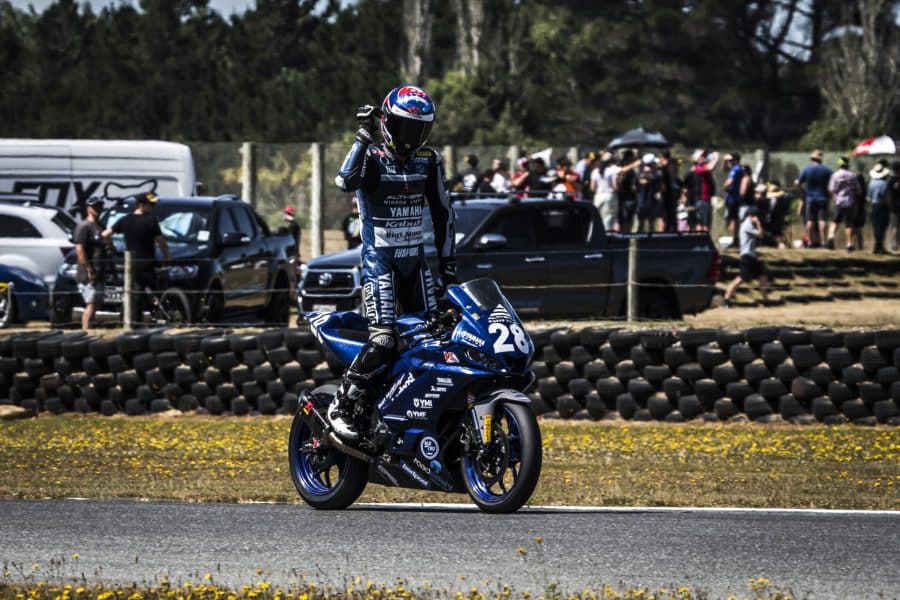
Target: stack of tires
x=209 y=371
x=762 y=374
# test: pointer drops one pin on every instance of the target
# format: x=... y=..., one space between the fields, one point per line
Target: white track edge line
x=460 y=506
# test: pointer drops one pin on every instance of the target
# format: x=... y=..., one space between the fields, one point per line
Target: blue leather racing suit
x=392 y=195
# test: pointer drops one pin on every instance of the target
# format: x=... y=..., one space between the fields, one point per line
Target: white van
x=63 y=172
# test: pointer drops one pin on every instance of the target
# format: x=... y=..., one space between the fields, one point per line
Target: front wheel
x=505 y=474
x=173 y=308
x=325 y=478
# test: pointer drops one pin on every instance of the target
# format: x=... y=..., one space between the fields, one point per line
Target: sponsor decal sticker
x=429 y=447
x=487 y=427
x=471 y=338
x=422 y=403
x=450 y=358
x=414 y=474
x=417 y=414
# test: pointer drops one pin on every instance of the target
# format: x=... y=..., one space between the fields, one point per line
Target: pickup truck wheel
x=657 y=304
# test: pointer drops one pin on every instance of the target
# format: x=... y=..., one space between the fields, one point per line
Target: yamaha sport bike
x=451 y=416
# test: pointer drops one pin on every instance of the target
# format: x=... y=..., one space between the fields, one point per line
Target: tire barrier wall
x=763 y=374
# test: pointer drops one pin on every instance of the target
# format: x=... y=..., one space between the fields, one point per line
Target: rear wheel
x=325 y=478
x=505 y=474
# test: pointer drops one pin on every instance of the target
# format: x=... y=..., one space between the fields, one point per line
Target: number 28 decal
x=501 y=344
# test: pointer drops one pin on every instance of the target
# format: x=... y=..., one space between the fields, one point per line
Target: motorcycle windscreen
x=490 y=324
x=481 y=294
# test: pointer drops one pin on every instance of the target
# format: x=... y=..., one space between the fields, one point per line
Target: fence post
x=632 y=279
x=761 y=159
x=127 y=290
x=248 y=173
x=512 y=155
x=316 y=199
x=449 y=161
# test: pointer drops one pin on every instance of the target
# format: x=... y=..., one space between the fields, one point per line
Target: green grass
x=585 y=463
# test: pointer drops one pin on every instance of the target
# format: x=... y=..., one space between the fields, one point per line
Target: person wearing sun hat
x=876 y=192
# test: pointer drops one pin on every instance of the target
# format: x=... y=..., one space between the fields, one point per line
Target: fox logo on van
x=45 y=189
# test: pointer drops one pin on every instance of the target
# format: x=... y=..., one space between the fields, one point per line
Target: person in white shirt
x=603 y=186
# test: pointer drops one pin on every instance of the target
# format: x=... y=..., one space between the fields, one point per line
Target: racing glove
x=365 y=117
x=446 y=276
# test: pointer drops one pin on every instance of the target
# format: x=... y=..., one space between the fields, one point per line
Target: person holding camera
x=394 y=181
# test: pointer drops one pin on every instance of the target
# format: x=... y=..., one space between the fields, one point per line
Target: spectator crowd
x=657 y=192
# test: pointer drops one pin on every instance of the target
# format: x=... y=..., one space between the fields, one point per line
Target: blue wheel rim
x=489 y=492
x=316 y=480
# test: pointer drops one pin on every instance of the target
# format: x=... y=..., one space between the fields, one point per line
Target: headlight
x=480 y=358
x=183 y=271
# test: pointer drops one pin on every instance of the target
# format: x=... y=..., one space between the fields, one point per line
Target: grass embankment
x=357 y=589
x=585 y=463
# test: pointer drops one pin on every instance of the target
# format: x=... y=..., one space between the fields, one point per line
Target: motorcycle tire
x=337 y=485
x=516 y=428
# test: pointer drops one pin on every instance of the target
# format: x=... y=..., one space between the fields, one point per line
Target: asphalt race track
x=837 y=554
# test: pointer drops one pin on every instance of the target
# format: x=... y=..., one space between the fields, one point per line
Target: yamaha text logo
x=429 y=447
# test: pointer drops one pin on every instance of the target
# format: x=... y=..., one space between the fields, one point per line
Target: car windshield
x=467 y=219
x=178 y=222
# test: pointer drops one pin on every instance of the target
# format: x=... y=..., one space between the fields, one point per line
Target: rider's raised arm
x=352 y=171
x=439 y=205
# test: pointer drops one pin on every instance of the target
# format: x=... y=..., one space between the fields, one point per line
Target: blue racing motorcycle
x=451 y=416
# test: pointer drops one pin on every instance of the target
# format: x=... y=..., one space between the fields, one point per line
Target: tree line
x=774 y=73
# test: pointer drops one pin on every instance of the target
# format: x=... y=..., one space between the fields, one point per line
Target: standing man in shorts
x=813 y=181
x=736 y=186
x=91 y=253
x=752 y=268
x=844 y=187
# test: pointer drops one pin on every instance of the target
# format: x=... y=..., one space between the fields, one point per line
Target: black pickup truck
x=552 y=258
x=223 y=258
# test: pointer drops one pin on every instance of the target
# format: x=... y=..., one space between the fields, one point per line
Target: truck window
x=517 y=226
x=243 y=221
x=15 y=227
x=226 y=224
x=563 y=226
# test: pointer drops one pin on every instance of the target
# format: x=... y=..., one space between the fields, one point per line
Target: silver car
x=34 y=236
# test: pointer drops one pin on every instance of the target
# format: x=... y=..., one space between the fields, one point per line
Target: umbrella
x=882 y=144
x=640 y=138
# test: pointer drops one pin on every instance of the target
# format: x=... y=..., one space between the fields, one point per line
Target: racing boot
x=340 y=411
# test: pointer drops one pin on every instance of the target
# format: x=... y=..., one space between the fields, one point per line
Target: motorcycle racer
x=393 y=181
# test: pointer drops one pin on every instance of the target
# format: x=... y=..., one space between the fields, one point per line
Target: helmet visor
x=407 y=135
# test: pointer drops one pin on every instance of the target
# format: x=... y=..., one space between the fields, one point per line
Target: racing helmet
x=407 y=116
